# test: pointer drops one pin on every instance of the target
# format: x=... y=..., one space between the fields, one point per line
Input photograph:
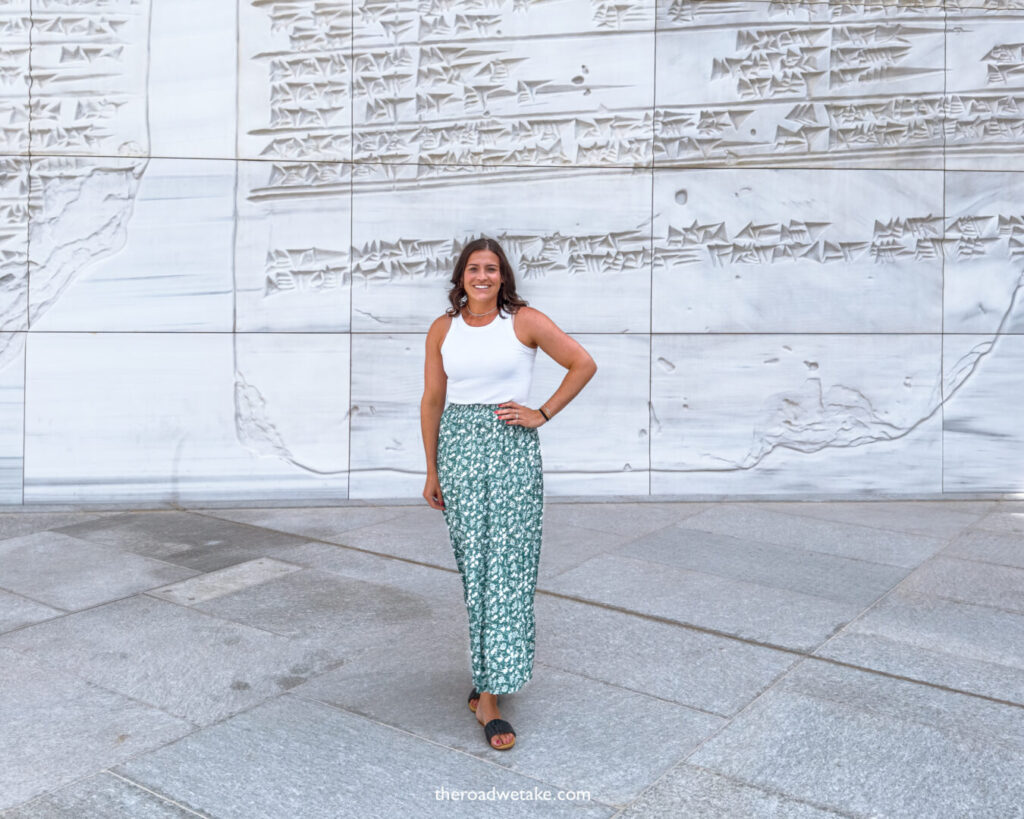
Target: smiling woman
x=484 y=466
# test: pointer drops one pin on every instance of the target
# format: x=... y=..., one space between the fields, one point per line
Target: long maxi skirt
x=492 y=486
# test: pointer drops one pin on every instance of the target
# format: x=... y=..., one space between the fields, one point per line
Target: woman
x=484 y=467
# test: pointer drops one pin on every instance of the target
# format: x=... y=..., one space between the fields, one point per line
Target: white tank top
x=487 y=365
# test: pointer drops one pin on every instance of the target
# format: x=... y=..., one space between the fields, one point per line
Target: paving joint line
x=722 y=634
x=163 y=797
x=350 y=712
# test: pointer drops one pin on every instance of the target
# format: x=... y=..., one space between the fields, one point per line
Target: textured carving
x=920 y=238
x=14 y=59
x=311 y=269
x=88 y=76
x=13 y=247
x=87 y=95
x=79 y=213
x=427 y=20
x=1005 y=63
x=870 y=51
x=621 y=138
x=348 y=102
x=301 y=64
x=532 y=256
x=876 y=130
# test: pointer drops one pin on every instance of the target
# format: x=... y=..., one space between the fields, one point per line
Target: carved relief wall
x=791 y=233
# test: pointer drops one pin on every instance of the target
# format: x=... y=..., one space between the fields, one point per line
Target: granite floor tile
x=103 y=796
x=940 y=519
x=628 y=519
x=984 y=584
x=866 y=744
x=190 y=664
x=689 y=791
x=196 y=541
x=780 y=567
x=337 y=613
x=69 y=573
x=566 y=546
x=966 y=647
x=692 y=668
x=831 y=537
x=321 y=523
x=438 y=584
x=17 y=611
x=747 y=610
x=601 y=738
x=420 y=688
x=991 y=547
x=1003 y=521
x=330 y=677
x=216 y=584
x=15 y=524
x=296 y=757
x=58 y=728
x=419 y=534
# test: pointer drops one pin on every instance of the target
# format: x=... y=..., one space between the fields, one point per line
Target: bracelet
x=546 y=416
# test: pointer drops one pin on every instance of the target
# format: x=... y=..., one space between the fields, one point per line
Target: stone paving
x=720 y=659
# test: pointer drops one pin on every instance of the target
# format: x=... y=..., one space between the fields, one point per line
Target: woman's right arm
x=435 y=389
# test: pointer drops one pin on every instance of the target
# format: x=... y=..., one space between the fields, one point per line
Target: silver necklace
x=479 y=315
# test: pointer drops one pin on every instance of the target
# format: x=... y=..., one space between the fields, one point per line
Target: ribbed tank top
x=488 y=364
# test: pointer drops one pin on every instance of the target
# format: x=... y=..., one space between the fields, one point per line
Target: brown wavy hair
x=508 y=299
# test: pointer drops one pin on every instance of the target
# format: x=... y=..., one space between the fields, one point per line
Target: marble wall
x=790 y=232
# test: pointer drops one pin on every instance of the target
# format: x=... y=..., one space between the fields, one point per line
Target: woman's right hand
x=432 y=492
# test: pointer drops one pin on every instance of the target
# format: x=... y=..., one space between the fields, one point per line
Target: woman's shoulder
x=531 y=316
x=439 y=328
x=441 y=322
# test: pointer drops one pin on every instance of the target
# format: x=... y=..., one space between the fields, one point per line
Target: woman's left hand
x=515 y=414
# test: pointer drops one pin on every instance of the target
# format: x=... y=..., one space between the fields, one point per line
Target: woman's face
x=482 y=276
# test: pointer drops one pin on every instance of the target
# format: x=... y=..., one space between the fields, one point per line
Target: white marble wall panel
x=161 y=417
x=983 y=441
x=15 y=23
x=985 y=88
x=12 y=403
x=784 y=83
x=79 y=213
x=383 y=22
x=500 y=85
x=388 y=459
x=589 y=269
x=292 y=401
x=695 y=13
x=13 y=246
x=597 y=445
x=801 y=414
x=797 y=250
x=192 y=89
x=90 y=63
x=295 y=79
x=122 y=245
x=220 y=193
x=292 y=246
x=984 y=252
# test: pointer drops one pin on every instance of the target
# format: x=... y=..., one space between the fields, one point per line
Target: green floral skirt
x=492 y=486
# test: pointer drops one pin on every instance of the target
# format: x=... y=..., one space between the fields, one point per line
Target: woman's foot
x=486 y=710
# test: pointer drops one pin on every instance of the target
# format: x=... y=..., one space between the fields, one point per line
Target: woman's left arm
x=564 y=349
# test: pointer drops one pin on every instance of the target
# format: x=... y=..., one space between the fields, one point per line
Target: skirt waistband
x=477 y=416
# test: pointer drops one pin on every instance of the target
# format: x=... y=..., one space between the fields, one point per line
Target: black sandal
x=499 y=726
x=473 y=695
